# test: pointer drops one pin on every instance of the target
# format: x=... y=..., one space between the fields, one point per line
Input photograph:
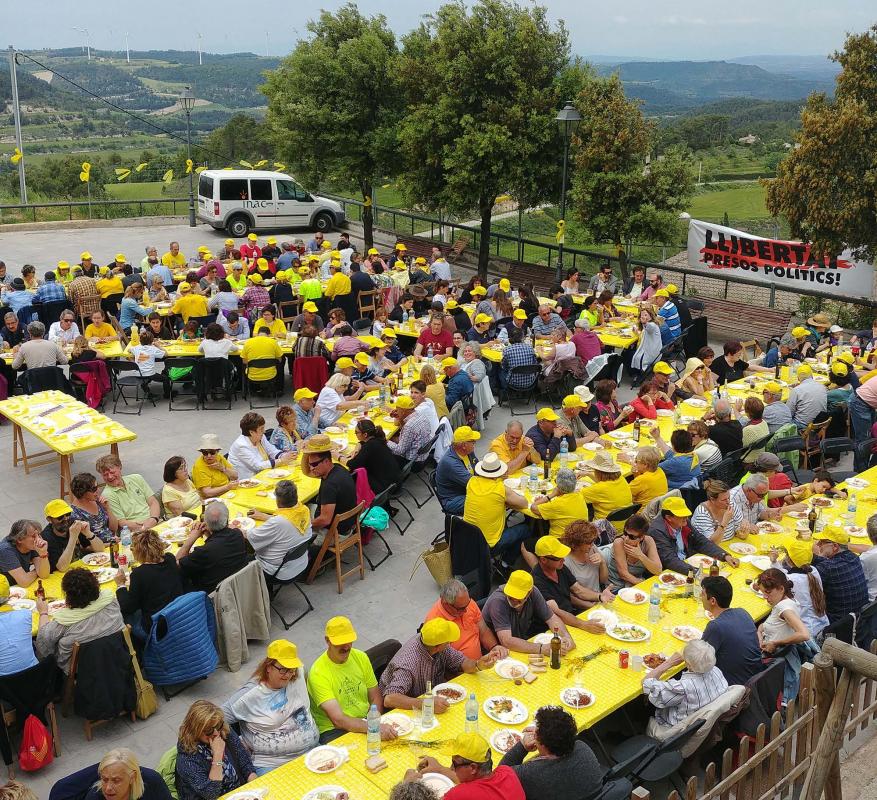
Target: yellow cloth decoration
x=168 y=176
x=121 y=174
x=16 y=156
x=561 y=225
x=141 y=167
x=189 y=165
x=199 y=170
x=85 y=175
x=246 y=164
x=260 y=164
x=367 y=202
x=280 y=167
x=299 y=516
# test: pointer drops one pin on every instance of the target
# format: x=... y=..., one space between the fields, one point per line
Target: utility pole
x=16 y=113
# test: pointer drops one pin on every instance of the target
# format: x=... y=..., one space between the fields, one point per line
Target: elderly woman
x=561 y=348
x=24 y=553
x=633 y=555
x=120 y=777
x=285 y=437
x=693 y=378
x=268 y=319
x=309 y=345
x=211 y=759
x=89 y=506
x=585 y=560
x=151 y=585
x=606 y=402
x=562 y=506
x=649 y=348
x=251 y=452
x=90 y=614
x=131 y=308
x=157 y=292
x=676 y=700
x=755 y=430
x=212 y=473
x=273 y=709
x=474 y=367
x=435 y=391
x=337 y=319
x=374 y=456
x=179 y=495
x=715 y=517
x=649 y=480
x=332 y=401
x=706 y=450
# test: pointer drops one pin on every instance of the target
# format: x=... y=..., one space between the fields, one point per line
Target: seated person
x=455 y=605
x=24 y=554
x=706 y=450
x=212 y=473
x=454 y=470
x=582 y=417
x=649 y=480
x=67 y=539
x=678 y=699
x=727 y=433
x=680 y=464
x=547 y=434
x=747 y=500
x=585 y=560
x=251 y=452
x=648 y=401
x=273 y=709
x=715 y=517
x=281 y=532
x=223 y=553
x=730 y=631
x=427 y=657
x=515 y=449
x=16 y=628
x=118 y=776
x=342 y=685
x=179 y=495
x=129 y=498
x=609 y=491
x=563 y=505
x=517 y=610
x=337 y=492
x=633 y=555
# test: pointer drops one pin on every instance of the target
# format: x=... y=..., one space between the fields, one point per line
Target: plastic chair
x=382 y=654
x=50 y=313
x=663 y=762
x=337 y=545
x=529 y=372
x=623 y=514
x=40 y=379
x=275 y=584
x=864 y=455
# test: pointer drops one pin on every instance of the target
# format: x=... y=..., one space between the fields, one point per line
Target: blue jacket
x=458 y=387
x=451 y=478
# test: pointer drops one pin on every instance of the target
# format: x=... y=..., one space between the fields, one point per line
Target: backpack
x=36 y=745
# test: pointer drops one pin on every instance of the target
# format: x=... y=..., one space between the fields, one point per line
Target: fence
x=96 y=209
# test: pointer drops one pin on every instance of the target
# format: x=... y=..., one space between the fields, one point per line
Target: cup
x=636 y=662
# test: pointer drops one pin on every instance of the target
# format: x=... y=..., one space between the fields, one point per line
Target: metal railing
x=11 y=213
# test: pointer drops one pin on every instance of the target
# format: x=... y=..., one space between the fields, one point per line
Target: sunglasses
x=316 y=463
x=631 y=537
x=209 y=452
x=459 y=763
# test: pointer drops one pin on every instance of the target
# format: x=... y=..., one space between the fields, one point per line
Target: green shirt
x=310 y=289
x=348 y=683
x=131 y=500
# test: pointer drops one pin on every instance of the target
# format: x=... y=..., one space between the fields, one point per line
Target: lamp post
x=187 y=101
x=567 y=119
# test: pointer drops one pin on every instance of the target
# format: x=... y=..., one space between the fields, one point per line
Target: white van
x=244 y=200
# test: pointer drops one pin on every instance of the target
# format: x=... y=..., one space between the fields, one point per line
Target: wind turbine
x=87 y=40
x=127 y=49
x=199 y=49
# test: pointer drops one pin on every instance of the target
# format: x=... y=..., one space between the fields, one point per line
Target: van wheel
x=238 y=226
x=324 y=222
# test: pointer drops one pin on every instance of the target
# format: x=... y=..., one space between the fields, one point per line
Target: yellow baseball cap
x=85 y=256
x=388 y=333
x=519 y=584
x=839 y=368
x=449 y=362
x=400 y=246
x=284 y=653
x=404 y=401
x=672 y=288
x=676 y=506
x=344 y=363
x=547 y=414
x=439 y=631
x=252 y=237
x=573 y=401
x=465 y=434
x=552 y=547
x=261 y=262
x=372 y=251
x=203 y=249
x=520 y=314
x=304 y=270
x=303 y=394
x=480 y=319
x=120 y=259
x=310 y=307
x=662 y=293
x=451 y=303
x=272 y=240
x=339 y=630
x=335 y=254
x=471 y=746
x=4 y=587
x=361 y=358
x=229 y=242
x=399 y=265
x=103 y=270
x=478 y=290
x=505 y=284
x=63 y=265
x=335 y=262
x=804 y=372
x=799 y=332
x=57 y=508
x=420 y=261
x=184 y=287
x=255 y=277
x=847 y=358
x=663 y=368
x=326 y=245
x=832 y=533
x=800 y=552
x=313 y=259
x=281 y=275
x=773 y=387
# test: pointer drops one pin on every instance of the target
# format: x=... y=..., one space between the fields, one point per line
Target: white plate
x=636 y=597
x=325 y=758
x=179 y=522
x=857 y=483
x=510 y=668
x=542 y=638
x=251 y=794
x=249 y=483
x=22 y=603
x=388 y=418
x=516 y=716
x=797 y=514
x=276 y=474
x=769 y=527
x=685 y=633
x=604 y=616
x=402 y=723
x=761 y=563
x=174 y=535
x=243 y=523
x=333 y=429
x=618 y=633
x=456 y=687
x=620 y=435
x=56 y=605
x=512 y=483
x=568 y=698
x=665 y=412
x=855 y=530
x=96 y=559
x=329 y=792
x=743 y=548
x=700 y=562
x=501 y=740
x=105 y=574
x=697 y=402
x=17 y=591
x=439 y=783
x=593 y=447
x=668 y=585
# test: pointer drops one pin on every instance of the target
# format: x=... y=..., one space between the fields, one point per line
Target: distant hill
x=808 y=67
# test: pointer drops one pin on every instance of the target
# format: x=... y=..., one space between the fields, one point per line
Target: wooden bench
x=420 y=246
x=730 y=320
x=540 y=276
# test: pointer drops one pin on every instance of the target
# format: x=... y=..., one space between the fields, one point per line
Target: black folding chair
x=395 y=493
x=615 y=786
x=529 y=374
x=864 y=456
x=190 y=383
x=422 y=467
x=218 y=380
x=623 y=514
x=126 y=376
x=728 y=470
x=275 y=584
x=271 y=384
x=381 y=500
x=382 y=654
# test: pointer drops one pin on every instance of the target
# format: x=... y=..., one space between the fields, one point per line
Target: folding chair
x=288 y=310
x=362 y=326
x=623 y=514
x=195 y=377
x=865 y=456
x=395 y=493
x=50 y=313
x=528 y=373
x=382 y=654
x=217 y=377
x=275 y=584
x=381 y=500
x=337 y=545
x=813 y=435
x=367 y=303
x=420 y=467
x=126 y=375
x=250 y=383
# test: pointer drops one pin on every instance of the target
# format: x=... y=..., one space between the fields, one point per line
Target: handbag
x=36 y=745
x=438 y=562
x=147 y=702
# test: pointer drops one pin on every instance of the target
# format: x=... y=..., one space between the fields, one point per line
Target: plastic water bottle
x=404 y=317
x=534 y=479
x=472 y=714
x=655 y=604
x=564 y=452
x=852 y=506
x=429 y=354
x=427 y=708
x=125 y=537
x=373 y=731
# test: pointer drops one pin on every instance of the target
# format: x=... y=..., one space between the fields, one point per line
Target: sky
x=667 y=29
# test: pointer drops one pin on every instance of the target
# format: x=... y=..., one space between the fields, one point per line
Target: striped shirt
x=414 y=434
x=669 y=313
x=412 y=667
x=705 y=523
x=749 y=513
x=677 y=699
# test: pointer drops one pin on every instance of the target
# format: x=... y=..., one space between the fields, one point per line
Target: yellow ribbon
x=386 y=186
x=561 y=225
x=367 y=202
x=16 y=156
x=199 y=170
x=85 y=175
x=260 y=164
x=246 y=164
x=280 y=167
x=121 y=174
x=168 y=176
x=141 y=167
x=228 y=169
x=188 y=165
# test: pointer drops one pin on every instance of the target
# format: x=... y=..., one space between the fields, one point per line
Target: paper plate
x=325 y=758
x=630 y=633
x=700 y=562
x=855 y=530
x=665 y=412
x=542 y=638
x=96 y=559
x=276 y=474
x=249 y=483
x=506 y=710
x=452 y=692
x=243 y=523
x=769 y=527
x=255 y=794
x=604 y=616
x=633 y=596
x=697 y=402
x=439 y=783
x=512 y=483
x=857 y=483
x=401 y=723
x=22 y=603
x=505 y=739
x=743 y=548
x=577 y=698
x=327 y=792
x=761 y=563
x=105 y=574
x=685 y=633
x=510 y=668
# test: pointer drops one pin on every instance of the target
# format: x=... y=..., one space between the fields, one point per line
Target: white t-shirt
x=272 y=540
x=217 y=349
x=775 y=627
x=868 y=560
x=144 y=357
x=328 y=401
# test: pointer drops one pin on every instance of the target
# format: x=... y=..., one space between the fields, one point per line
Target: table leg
x=16 y=438
x=65 y=476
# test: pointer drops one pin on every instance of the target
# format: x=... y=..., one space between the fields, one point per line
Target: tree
x=334 y=104
x=615 y=194
x=827 y=187
x=482 y=88
x=242 y=137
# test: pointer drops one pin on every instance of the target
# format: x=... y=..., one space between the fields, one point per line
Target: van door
x=262 y=202
x=233 y=194
x=294 y=204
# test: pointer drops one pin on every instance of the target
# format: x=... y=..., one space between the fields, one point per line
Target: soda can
x=122 y=560
x=624 y=659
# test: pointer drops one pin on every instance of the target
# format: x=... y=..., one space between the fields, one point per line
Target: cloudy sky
x=675 y=29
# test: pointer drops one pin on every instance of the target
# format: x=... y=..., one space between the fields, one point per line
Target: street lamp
x=567 y=119
x=187 y=101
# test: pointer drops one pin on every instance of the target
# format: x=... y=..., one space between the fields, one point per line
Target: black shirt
x=379 y=463
x=591 y=418
x=683 y=311
x=728 y=436
x=153 y=586
x=727 y=373
x=280 y=293
x=361 y=282
x=85 y=355
x=57 y=544
x=15 y=337
x=396 y=313
x=338 y=489
x=223 y=554
x=558 y=590
x=12 y=558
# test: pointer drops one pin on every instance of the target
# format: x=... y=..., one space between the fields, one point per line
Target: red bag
x=36 y=745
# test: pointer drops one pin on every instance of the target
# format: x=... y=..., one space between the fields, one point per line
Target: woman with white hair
x=332 y=402
x=676 y=700
x=118 y=776
x=474 y=367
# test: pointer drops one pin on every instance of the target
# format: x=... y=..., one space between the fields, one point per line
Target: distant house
x=748 y=139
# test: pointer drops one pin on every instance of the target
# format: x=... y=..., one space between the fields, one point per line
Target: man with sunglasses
x=212 y=473
x=748 y=500
x=67 y=540
x=455 y=605
x=472 y=771
x=337 y=492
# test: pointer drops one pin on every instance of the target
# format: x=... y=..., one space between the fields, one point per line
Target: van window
x=290 y=190
x=261 y=189
x=233 y=189
x=205 y=186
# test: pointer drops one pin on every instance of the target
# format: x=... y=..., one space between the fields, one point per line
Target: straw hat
x=209 y=441
x=603 y=462
x=318 y=443
x=584 y=393
x=690 y=366
x=491 y=466
x=819 y=321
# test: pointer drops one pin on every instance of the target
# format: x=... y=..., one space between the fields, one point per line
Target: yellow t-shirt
x=110 y=285
x=190 y=305
x=501 y=447
x=339 y=283
x=607 y=496
x=258 y=347
x=205 y=475
x=310 y=289
x=648 y=486
x=172 y=261
x=277 y=328
x=485 y=507
x=102 y=331
x=560 y=511
x=190 y=500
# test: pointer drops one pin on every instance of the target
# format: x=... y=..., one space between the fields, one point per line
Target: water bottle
x=564 y=452
x=427 y=708
x=472 y=714
x=125 y=536
x=534 y=479
x=655 y=604
x=429 y=354
x=373 y=731
x=404 y=317
x=852 y=507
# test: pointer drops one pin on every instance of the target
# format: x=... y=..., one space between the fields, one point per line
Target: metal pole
x=127 y=49
x=16 y=113
x=558 y=275
x=191 y=173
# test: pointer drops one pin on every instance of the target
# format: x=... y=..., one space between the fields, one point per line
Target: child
x=380 y=322
x=144 y=356
x=189 y=331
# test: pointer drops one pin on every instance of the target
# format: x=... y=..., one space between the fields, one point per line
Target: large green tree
x=827 y=187
x=241 y=138
x=616 y=194
x=482 y=86
x=334 y=103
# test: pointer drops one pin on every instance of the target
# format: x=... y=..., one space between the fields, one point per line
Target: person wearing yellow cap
x=309 y=316
x=109 y=284
x=581 y=415
x=67 y=539
x=459 y=384
x=808 y=399
x=189 y=303
x=843 y=579
x=250 y=249
x=86 y=262
x=342 y=685
x=797 y=562
x=339 y=290
x=783 y=626
x=255 y=296
x=364 y=372
x=776 y=413
x=427 y=656
x=547 y=433
x=677 y=540
x=413 y=433
x=454 y=470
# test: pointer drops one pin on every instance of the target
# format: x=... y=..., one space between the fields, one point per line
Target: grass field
x=741 y=202
x=135 y=191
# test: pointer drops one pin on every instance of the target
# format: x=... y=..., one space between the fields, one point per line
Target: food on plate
x=331 y=792
x=604 y=616
x=855 y=530
x=770 y=527
x=797 y=514
x=629 y=633
x=652 y=660
x=96 y=559
x=502 y=705
x=375 y=764
x=634 y=596
x=56 y=605
x=505 y=709
x=248 y=483
x=671 y=579
x=822 y=502
x=450 y=693
x=105 y=574
x=577 y=698
x=686 y=633
x=743 y=548
x=704 y=562
x=510 y=668
x=504 y=740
